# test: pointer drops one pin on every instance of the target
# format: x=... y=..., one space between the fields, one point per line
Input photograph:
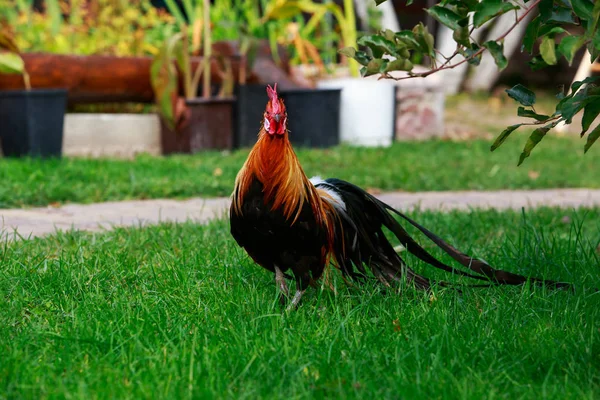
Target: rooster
x=288 y=223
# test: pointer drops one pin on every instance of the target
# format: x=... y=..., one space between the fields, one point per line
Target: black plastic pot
x=210 y=127
x=313 y=115
x=249 y=108
x=31 y=122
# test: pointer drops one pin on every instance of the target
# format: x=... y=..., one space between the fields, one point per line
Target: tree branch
x=471 y=57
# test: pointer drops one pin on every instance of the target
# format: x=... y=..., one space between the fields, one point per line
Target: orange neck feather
x=273 y=162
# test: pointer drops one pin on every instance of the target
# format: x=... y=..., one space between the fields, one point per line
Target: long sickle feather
x=495 y=275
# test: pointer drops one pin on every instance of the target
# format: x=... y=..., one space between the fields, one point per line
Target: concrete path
x=94 y=217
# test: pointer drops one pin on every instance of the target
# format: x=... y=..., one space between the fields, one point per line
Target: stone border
x=26 y=223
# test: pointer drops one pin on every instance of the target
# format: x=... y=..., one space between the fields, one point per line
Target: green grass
x=178 y=311
x=432 y=165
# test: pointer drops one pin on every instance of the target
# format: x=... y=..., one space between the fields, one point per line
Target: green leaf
x=469 y=4
x=583 y=8
x=592 y=137
x=11 y=63
x=378 y=44
x=475 y=60
x=375 y=66
x=594 y=45
x=408 y=38
x=562 y=15
x=531 y=34
x=399 y=64
x=461 y=36
x=175 y=11
x=521 y=94
x=590 y=112
x=489 y=9
x=389 y=35
x=180 y=56
x=54 y=12
x=8 y=43
x=550 y=30
x=569 y=45
x=533 y=141
x=536 y=63
x=163 y=78
x=547 y=50
x=348 y=52
x=523 y=112
x=571 y=105
x=594 y=22
x=503 y=136
x=425 y=39
x=360 y=56
x=470 y=52
x=545 y=8
x=576 y=85
x=282 y=10
x=445 y=16
x=496 y=50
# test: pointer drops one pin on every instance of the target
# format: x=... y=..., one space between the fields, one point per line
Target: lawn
x=425 y=166
x=178 y=311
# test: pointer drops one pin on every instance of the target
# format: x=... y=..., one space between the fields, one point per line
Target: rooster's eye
x=267 y=123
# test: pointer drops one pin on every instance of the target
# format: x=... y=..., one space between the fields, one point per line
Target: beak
x=277 y=117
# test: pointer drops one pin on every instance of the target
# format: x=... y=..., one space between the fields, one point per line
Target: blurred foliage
x=136 y=28
x=374 y=18
x=173 y=61
x=116 y=27
x=11 y=61
x=310 y=38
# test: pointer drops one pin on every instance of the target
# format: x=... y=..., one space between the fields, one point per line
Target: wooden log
x=111 y=79
x=96 y=79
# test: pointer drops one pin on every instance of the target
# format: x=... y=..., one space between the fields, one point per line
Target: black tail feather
x=496 y=276
x=361 y=224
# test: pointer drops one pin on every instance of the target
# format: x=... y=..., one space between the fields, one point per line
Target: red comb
x=275 y=105
x=272 y=92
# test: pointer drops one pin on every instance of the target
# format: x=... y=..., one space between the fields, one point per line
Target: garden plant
x=559 y=29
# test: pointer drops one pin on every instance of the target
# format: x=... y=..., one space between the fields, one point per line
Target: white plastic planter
x=367 y=110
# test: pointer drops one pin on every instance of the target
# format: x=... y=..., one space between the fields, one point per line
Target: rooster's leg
x=280 y=280
x=302 y=283
x=296 y=300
